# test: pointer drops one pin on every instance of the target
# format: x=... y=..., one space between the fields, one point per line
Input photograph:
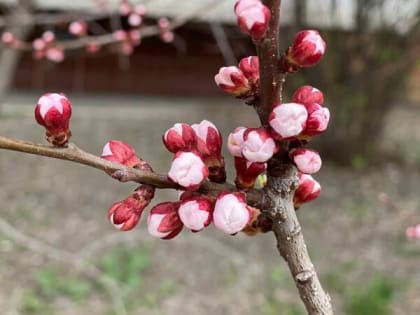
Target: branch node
x=304 y=276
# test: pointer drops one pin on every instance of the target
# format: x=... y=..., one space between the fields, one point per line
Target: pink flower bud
x=308 y=95
x=120 y=35
x=307 y=49
x=288 y=120
x=209 y=140
x=251 y=68
x=413 y=232
x=163 y=23
x=233 y=81
x=196 y=213
x=48 y=37
x=134 y=20
x=231 y=213
x=167 y=36
x=120 y=152
x=307 y=161
x=7 y=38
x=317 y=122
x=125 y=8
x=93 y=47
x=180 y=137
x=163 y=221
x=39 y=44
x=125 y=214
x=236 y=141
x=55 y=54
x=258 y=145
x=78 y=28
x=53 y=111
x=253 y=18
x=140 y=9
x=188 y=170
x=247 y=172
x=308 y=190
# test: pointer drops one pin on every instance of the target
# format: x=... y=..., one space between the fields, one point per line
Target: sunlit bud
x=135 y=20
x=236 y=141
x=258 y=145
x=306 y=50
x=55 y=54
x=120 y=152
x=7 y=38
x=125 y=214
x=39 y=44
x=196 y=213
x=307 y=95
x=188 y=170
x=247 y=172
x=308 y=190
x=317 y=122
x=288 y=120
x=53 y=111
x=231 y=213
x=253 y=18
x=48 y=37
x=250 y=68
x=78 y=28
x=180 y=137
x=307 y=161
x=413 y=232
x=163 y=221
x=209 y=140
x=233 y=81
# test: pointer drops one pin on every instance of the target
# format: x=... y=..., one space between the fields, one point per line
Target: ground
x=355 y=231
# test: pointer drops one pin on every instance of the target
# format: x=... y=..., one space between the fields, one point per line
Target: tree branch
x=121 y=172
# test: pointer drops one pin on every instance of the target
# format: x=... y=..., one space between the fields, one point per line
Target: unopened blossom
x=231 y=213
x=258 y=145
x=307 y=161
x=163 y=220
x=317 y=122
x=165 y=31
x=232 y=80
x=55 y=54
x=288 y=120
x=125 y=214
x=135 y=20
x=8 y=38
x=78 y=28
x=253 y=17
x=180 y=137
x=247 y=172
x=48 y=37
x=413 y=232
x=188 y=170
x=250 y=68
x=308 y=95
x=235 y=141
x=195 y=213
x=307 y=49
x=120 y=152
x=308 y=190
x=53 y=111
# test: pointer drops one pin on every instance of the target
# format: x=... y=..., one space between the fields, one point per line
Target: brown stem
x=121 y=172
x=282 y=180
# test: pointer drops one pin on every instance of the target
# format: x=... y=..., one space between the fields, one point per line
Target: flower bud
x=48 y=37
x=125 y=214
x=288 y=120
x=53 y=111
x=233 y=81
x=253 y=17
x=308 y=190
x=251 y=69
x=196 y=213
x=120 y=152
x=306 y=50
x=78 y=28
x=231 y=213
x=317 y=122
x=247 y=172
x=307 y=95
x=134 y=20
x=163 y=220
x=236 y=141
x=307 y=161
x=413 y=232
x=55 y=54
x=188 y=170
x=8 y=38
x=258 y=145
x=181 y=137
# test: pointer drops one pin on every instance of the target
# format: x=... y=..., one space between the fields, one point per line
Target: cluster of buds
x=253 y=18
x=166 y=35
x=46 y=47
x=241 y=81
x=134 y=13
x=53 y=111
x=10 y=40
x=413 y=232
x=78 y=28
x=197 y=154
x=307 y=49
x=251 y=148
x=127 y=40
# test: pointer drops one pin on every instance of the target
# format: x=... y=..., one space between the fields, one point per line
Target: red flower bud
x=288 y=120
x=232 y=80
x=258 y=145
x=188 y=170
x=251 y=69
x=181 y=137
x=317 y=122
x=307 y=161
x=253 y=17
x=247 y=172
x=53 y=111
x=196 y=213
x=120 y=152
x=163 y=221
x=308 y=190
x=308 y=95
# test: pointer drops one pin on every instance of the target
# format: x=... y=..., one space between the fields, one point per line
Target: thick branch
x=124 y=173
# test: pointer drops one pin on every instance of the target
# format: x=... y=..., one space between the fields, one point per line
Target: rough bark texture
x=282 y=181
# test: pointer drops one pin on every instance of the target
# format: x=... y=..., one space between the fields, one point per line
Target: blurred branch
x=223 y=43
x=76 y=261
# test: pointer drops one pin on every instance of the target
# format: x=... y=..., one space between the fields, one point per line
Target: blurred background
x=60 y=255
